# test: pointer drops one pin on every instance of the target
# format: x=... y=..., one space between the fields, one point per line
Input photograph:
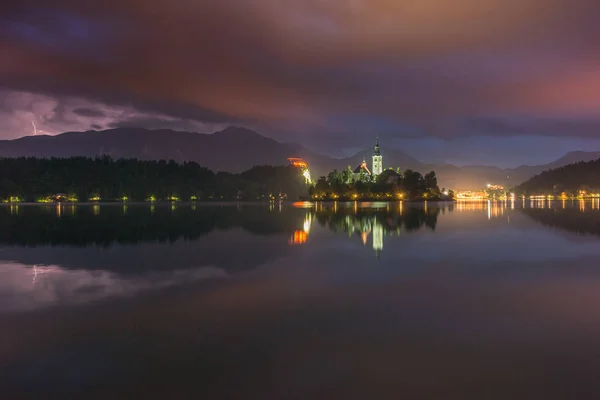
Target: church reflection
x=371 y=223
x=77 y=247
x=238 y=237
x=118 y=225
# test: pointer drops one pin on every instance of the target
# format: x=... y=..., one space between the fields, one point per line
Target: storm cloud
x=305 y=70
x=89 y=112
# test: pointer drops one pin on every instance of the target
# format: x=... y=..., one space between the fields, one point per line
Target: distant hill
x=569 y=178
x=237 y=149
x=233 y=149
x=477 y=176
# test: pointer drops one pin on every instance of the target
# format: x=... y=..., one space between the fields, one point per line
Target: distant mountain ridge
x=236 y=149
x=233 y=149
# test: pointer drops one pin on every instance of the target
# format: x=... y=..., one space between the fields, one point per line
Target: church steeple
x=377 y=159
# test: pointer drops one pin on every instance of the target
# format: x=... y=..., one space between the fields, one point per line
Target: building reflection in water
x=366 y=222
x=371 y=222
x=377 y=237
x=301 y=236
x=471 y=205
x=298 y=237
x=495 y=209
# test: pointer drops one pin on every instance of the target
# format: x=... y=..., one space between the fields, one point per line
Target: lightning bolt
x=34 y=128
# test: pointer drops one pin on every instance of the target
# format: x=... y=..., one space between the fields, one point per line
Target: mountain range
x=236 y=149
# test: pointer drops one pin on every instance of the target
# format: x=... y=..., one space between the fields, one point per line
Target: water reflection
x=87 y=225
x=97 y=225
x=581 y=220
x=117 y=245
x=373 y=221
x=80 y=253
x=299 y=299
x=25 y=289
x=300 y=236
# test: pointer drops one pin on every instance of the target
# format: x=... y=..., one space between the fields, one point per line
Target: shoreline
x=215 y=203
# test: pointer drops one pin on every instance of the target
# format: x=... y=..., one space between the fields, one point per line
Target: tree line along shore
x=82 y=179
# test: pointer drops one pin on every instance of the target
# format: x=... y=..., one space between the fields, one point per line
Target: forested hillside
x=569 y=179
x=81 y=178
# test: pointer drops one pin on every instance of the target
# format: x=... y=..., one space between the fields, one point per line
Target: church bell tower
x=377 y=160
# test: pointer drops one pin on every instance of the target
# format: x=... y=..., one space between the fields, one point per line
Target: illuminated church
x=376 y=166
x=377 y=159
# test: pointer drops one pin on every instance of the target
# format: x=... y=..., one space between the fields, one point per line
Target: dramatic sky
x=501 y=82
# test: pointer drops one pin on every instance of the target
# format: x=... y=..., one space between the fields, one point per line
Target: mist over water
x=489 y=300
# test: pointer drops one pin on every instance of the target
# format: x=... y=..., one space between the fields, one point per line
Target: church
x=376 y=166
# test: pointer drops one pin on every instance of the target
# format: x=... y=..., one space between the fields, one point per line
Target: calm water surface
x=292 y=301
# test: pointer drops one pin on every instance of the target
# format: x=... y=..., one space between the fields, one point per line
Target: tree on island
x=389 y=185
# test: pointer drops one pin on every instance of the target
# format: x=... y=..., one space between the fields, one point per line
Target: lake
x=495 y=300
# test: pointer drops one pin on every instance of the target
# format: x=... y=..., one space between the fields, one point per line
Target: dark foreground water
x=334 y=301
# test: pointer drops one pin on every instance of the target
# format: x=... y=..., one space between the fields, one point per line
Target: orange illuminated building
x=297 y=162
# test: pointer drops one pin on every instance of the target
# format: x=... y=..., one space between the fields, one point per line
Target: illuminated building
x=494 y=187
x=300 y=163
x=361 y=169
x=377 y=160
x=297 y=162
x=59 y=197
x=469 y=195
x=495 y=192
x=377 y=165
